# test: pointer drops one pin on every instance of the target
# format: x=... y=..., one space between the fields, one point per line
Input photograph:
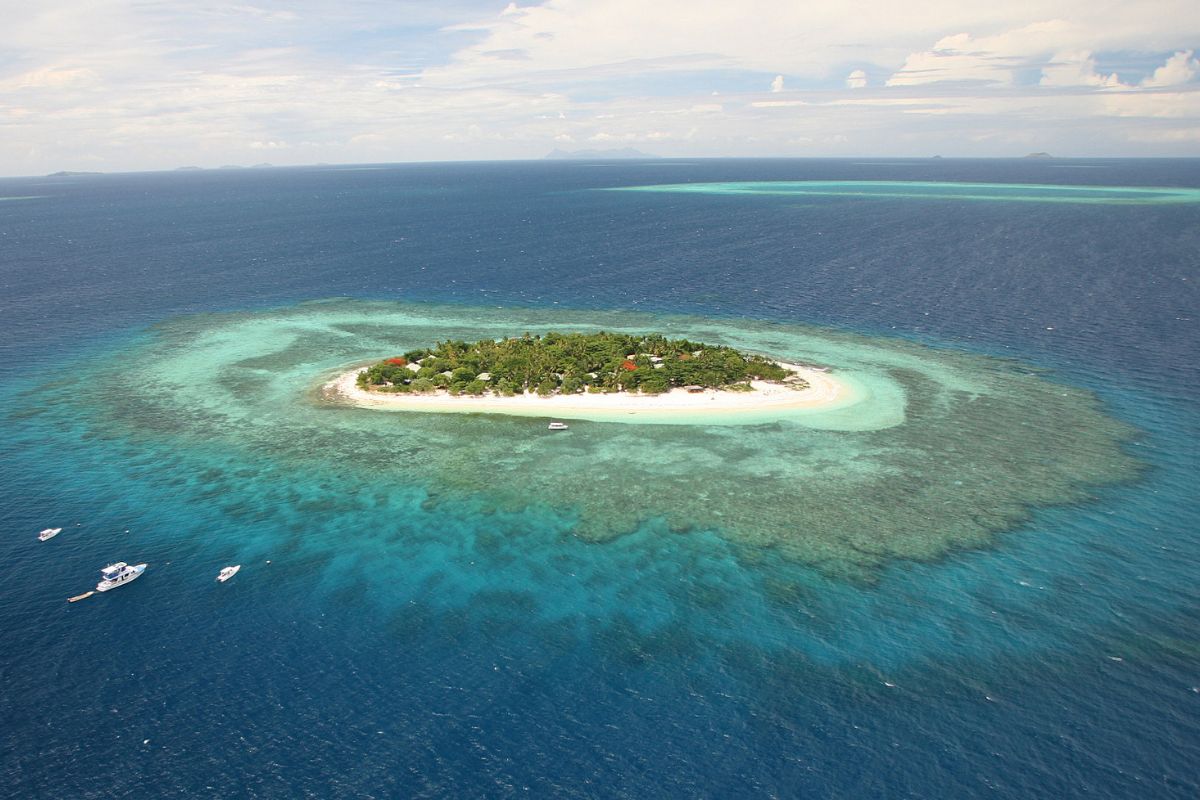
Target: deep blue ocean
x=395 y=646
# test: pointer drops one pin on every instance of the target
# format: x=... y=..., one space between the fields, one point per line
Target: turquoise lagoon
x=938 y=450
x=936 y=190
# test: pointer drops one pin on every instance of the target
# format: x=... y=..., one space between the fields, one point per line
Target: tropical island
x=571 y=363
x=586 y=375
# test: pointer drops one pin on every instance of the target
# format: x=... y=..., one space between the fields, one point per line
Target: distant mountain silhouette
x=1039 y=155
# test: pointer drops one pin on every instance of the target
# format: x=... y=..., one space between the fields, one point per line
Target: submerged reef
x=938 y=190
x=941 y=449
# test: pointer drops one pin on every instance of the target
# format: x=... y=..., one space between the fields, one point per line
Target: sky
x=104 y=85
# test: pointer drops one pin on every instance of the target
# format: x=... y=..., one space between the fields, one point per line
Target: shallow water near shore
x=978 y=581
x=933 y=190
x=942 y=450
x=808 y=398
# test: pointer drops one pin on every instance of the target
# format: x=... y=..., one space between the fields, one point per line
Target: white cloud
x=137 y=85
x=1180 y=68
x=1076 y=69
x=1061 y=49
x=988 y=59
x=778 y=103
x=795 y=39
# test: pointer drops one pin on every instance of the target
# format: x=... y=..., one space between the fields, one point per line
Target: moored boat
x=49 y=533
x=119 y=574
x=558 y=426
x=228 y=572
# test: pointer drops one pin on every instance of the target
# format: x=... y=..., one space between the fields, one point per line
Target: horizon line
x=1032 y=157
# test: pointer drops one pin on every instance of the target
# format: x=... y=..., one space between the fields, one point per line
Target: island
x=586 y=375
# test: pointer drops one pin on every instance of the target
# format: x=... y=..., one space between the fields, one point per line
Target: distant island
x=1039 y=155
x=71 y=174
x=571 y=364
x=623 y=152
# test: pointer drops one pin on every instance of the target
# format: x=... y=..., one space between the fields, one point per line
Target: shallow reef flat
x=938 y=190
x=940 y=450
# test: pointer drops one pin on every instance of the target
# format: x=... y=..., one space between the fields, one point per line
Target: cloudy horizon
x=117 y=86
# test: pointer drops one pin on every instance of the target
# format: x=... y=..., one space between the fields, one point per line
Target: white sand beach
x=823 y=390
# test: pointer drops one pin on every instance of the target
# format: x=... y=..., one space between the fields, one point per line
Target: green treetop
x=568 y=364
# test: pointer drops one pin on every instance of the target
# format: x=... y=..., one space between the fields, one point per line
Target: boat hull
x=104 y=586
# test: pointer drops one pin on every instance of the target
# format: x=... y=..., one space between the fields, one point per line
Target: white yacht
x=228 y=572
x=118 y=574
x=49 y=533
x=558 y=426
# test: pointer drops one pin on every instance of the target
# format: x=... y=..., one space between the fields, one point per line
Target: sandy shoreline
x=823 y=390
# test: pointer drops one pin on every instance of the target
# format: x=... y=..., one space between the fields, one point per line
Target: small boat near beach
x=558 y=426
x=49 y=533
x=228 y=572
x=119 y=574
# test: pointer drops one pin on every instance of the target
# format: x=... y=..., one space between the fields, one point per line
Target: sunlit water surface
x=977 y=580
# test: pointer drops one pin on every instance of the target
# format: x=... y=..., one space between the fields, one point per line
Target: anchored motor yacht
x=118 y=574
x=49 y=533
x=558 y=426
x=228 y=572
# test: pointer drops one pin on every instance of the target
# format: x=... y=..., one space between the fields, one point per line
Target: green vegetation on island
x=569 y=364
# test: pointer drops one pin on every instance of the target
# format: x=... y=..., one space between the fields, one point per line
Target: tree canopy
x=568 y=364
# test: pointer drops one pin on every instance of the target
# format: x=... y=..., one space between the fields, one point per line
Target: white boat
x=119 y=574
x=558 y=426
x=49 y=533
x=228 y=572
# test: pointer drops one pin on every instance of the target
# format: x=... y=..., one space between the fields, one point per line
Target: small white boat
x=119 y=574
x=558 y=426
x=49 y=533
x=228 y=572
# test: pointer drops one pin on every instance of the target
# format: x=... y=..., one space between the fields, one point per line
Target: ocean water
x=980 y=580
